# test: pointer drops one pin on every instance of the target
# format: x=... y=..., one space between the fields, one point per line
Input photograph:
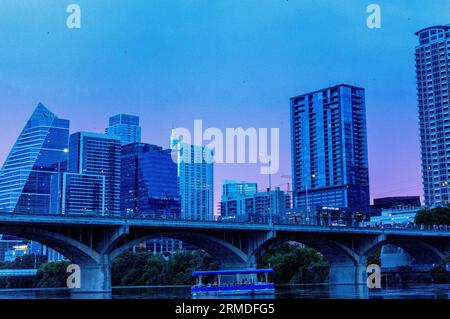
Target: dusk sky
x=228 y=63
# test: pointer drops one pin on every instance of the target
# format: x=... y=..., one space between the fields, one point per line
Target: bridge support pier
x=348 y=273
x=95 y=280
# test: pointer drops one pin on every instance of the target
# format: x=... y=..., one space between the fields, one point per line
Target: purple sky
x=228 y=63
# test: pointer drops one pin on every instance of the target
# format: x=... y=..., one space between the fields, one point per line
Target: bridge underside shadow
x=346 y=267
x=421 y=251
x=223 y=252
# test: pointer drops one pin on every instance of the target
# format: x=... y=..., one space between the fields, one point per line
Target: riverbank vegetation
x=295 y=264
x=433 y=216
x=142 y=268
x=23 y=262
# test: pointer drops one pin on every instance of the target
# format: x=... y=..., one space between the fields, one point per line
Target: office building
x=8 y=243
x=195 y=179
x=52 y=255
x=94 y=174
x=399 y=215
x=126 y=127
x=257 y=207
x=396 y=201
x=16 y=252
x=30 y=177
x=433 y=77
x=329 y=148
x=231 y=189
x=149 y=182
x=164 y=246
x=83 y=194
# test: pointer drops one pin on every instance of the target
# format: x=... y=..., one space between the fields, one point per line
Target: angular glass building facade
x=97 y=154
x=126 y=127
x=30 y=176
x=329 y=148
x=433 y=78
x=149 y=182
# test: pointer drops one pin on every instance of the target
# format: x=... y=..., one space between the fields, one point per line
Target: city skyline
x=177 y=93
x=226 y=150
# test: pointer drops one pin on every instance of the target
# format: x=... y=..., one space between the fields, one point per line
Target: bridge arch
x=70 y=248
x=333 y=251
x=346 y=266
x=95 y=276
x=226 y=254
x=420 y=250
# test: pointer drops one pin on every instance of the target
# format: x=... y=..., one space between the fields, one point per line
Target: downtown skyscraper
x=149 y=182
x=30 y=177
x=329 y=148
x=432 y=56
x=126 y=127
x=93 y=182
x=195 y=179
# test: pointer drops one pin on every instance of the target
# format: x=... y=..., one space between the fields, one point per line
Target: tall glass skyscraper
x=329 y=148
x=30 y=177
x=195 y=180
x=149 y=182
x=126 y=127
x=93 y=154
x=433 y=79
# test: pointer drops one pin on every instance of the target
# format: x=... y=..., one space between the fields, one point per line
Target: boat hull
x=233 y=290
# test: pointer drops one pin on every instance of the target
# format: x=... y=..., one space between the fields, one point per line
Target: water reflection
x=413 y=291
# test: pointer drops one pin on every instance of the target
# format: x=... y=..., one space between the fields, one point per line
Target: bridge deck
x=52 y=220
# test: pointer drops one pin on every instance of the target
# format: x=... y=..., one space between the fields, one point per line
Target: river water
x=412 y=291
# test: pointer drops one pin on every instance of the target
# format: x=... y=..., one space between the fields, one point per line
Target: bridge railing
x=265 y=221
x=410 y=226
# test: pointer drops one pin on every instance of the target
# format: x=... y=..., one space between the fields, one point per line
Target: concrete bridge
x=93 y=242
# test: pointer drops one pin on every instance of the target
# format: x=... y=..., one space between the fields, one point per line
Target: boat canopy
x=231 y=272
